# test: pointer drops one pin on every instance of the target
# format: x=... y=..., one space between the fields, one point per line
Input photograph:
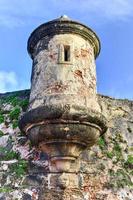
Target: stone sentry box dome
x=64 y=117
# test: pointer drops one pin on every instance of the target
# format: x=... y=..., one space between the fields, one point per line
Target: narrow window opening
x=66 y=53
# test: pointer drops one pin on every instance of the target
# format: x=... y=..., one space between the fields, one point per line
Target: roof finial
x=64 y=17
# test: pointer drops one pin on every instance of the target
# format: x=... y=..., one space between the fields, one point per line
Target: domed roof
x=63 y=25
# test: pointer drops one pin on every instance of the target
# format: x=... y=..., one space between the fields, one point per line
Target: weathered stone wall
x=109 y=165
x=55 y=81
x=105 y=170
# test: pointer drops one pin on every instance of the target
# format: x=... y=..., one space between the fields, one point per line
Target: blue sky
x=112 y=20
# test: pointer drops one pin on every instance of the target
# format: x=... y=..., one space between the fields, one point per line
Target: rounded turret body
x=64 y=65
x=64 y=116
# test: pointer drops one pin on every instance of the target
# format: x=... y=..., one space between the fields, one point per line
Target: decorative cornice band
x=54 y=27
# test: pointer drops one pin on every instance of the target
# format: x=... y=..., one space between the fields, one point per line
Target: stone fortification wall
x=106 y=170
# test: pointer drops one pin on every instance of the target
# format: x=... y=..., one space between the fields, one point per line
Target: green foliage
x=1 y=118
x=110 y=155
x=12 y=99
x=129 y=163
x=130 y=159
x=101 y=143
x=8 y=155
x=119 y=179
x=15 y=124
x=14 y=114
x=24 y=104
x=1 y=133
x=117 y=151
x=15 y=100
x=5 y=190
x=19 y=168
x=117 y=147
x=123 y=179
